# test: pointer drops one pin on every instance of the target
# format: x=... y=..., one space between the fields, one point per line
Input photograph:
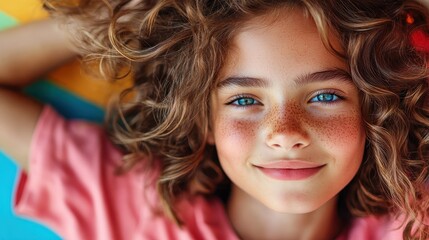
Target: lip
x=290 y=169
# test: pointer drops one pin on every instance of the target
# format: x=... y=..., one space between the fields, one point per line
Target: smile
x=290 y=170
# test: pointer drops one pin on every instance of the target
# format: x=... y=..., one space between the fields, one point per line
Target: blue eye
x=325 y=97
x=244 y=101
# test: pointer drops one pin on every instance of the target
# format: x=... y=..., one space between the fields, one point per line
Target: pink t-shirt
x=73 y=189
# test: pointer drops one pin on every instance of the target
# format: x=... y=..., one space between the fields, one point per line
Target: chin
x=294 y=206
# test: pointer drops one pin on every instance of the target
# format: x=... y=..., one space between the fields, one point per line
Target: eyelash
x=315 y=99
x=335 y=97
x=235 y=103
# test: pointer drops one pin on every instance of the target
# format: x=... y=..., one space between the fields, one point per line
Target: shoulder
x=72 y=167
x=205 y=218
x=62 y=140
x=374 y=227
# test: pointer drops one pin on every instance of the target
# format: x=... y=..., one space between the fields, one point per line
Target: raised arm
x=26 y=52
x=31 y=50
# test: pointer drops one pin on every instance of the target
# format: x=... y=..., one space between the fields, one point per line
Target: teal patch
x=67 y=104
x=6 y=21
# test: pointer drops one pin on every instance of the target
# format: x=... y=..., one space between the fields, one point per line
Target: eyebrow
x=329 y=74
x=325 y=75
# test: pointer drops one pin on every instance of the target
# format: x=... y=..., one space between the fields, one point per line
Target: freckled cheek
x=234 y=137
x=340 y=131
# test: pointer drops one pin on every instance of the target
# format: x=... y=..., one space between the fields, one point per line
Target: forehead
x=285 y=38
x=284 y=14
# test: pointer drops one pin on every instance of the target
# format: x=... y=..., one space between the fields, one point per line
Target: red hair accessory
x=409 y=19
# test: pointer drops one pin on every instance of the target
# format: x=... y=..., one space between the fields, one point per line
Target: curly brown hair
x=176 y=49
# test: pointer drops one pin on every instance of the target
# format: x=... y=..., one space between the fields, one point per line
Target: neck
x=253 y=220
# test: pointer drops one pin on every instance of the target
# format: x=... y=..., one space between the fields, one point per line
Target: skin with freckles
x=283 y=98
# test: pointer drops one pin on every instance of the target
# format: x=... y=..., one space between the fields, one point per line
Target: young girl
x=313 y=110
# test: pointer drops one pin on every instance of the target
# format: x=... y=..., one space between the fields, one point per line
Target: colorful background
x=72 y=93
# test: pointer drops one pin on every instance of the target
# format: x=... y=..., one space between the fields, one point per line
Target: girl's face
x=286 y=116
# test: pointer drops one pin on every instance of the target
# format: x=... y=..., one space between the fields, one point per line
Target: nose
x=286 y=130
